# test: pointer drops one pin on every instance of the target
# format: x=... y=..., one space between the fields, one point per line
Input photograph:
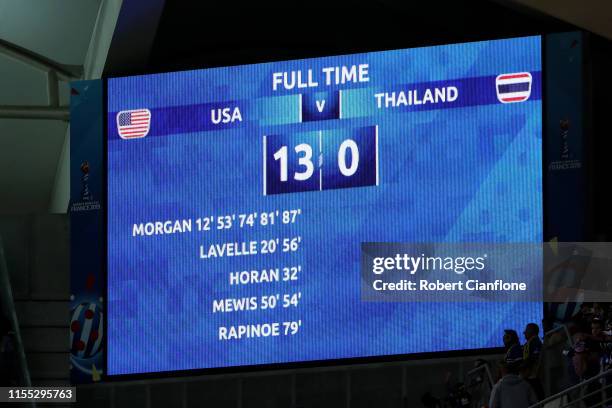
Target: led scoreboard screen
x=238 y=199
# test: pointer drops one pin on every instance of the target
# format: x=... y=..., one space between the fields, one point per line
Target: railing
x=478 y=377
x=487 y=371
x=561 y=328
x=591 y=393
x=8 y=307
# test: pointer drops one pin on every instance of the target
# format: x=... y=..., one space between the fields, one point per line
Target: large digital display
x=238 y=199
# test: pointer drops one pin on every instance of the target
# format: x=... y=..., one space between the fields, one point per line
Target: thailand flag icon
x=133 y=124
x=513 y=87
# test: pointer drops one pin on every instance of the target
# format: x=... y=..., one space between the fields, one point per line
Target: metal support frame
x=487 y=371
x=34 y=112
x=7 y=307
x=55 y=73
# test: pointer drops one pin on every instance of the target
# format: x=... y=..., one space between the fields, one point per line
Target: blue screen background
x=465 y=174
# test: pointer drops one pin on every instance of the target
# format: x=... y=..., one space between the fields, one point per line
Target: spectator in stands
x=598 y=332
x=592 y=347
x=579 y=358
x=598 y=311
x=512 y=345
x=597 y=344
x=595 y=352
x=582 y=319
x=511 y=391
x=458 y=396
x=7 y=354
x=532 y=351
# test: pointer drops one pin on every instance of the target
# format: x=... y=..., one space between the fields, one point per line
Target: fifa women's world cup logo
x=85 y=194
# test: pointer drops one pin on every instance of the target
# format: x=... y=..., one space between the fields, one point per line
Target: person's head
x=598 y=309
x=586 y=307
x=579 y=338
x=509 y=368
x=510 y=338
x=597 y=326
x=531 y=330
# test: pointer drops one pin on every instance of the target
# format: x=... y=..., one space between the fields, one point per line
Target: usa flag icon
x=514 y=87
x=133 y=124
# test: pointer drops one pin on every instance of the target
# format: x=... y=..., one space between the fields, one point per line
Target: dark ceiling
x=196 y=34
